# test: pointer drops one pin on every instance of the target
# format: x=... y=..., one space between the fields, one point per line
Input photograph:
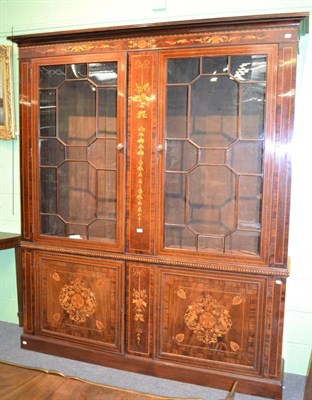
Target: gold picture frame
x=6 y=94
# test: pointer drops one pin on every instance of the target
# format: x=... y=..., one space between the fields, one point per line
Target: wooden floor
x=24 y=383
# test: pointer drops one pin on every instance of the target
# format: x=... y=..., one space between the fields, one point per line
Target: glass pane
x=103 y=230
x=246 y=157
x=253 y=107
x=103 y=73
x=51 y=76
x=52 y=225
x=48 y=190
x=211 y=244
x=77 y=192
x=182 y=70
x=106 y=181
x=211 y=200
x=76 y=152
x=107 y=112
x=215 y=65
x=180 y=237
x=175 y=199
x=47 y=112
x=47 y=98
x=249 y=202
x=76 y=231
x=177 y=111
x=102 y=153
x=76 y=71
x=77 y=122
x=246 y=242
x=214 y=108
x=249 y=68
x=181 y=155
x=52 y=152
x=207 y=156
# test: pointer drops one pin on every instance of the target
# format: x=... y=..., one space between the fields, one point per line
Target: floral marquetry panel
x=207 y=318
x=140 y=280
x=141 y=124
x=80 y=299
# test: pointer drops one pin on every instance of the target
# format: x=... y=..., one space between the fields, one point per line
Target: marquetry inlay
x=78 y=301
x=139 y=300
x=208 y=319
x=142 y=99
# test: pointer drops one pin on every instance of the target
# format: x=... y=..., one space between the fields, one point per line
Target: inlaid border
x=181 y=40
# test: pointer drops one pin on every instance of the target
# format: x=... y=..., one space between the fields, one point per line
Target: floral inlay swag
x=139 y=297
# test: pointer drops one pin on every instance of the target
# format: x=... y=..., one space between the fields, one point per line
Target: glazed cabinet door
x=80 y=300
x=216 y=171
x=79 y=151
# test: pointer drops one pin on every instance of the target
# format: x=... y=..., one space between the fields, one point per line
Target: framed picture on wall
x=6 y=94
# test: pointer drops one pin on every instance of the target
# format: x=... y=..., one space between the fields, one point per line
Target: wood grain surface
x=26 y=383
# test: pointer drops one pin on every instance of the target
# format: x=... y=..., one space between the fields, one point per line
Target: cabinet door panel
x=81 y=173
x=211 y=319
x=80 y=300
x=215 y=173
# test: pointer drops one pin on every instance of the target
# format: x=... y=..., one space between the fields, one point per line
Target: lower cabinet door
x=80 y=299
x=211 y=319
